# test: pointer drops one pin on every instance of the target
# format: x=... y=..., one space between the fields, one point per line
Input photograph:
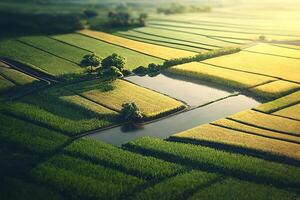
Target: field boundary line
x=253 y=133
x=279 y=78
x=279 y=45
x=66 y=43
x=121 y=46
x=151 y=41
x=269 y=54
x=40 y=49
x=272 y=113
x=261 y=127
x=9 y=79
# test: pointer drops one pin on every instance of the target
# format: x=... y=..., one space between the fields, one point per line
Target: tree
x=114 y=60
x=142 y=19
x=90 y=13
x=111 y=73
x=91 y=60
x=131 y=112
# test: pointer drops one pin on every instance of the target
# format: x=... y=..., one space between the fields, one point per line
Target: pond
x=209 y=102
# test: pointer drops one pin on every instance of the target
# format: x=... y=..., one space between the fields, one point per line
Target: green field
x=133 y=59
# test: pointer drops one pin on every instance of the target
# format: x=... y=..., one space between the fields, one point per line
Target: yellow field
x=223 y=76
x=217 y=134
x=295 y=47
x=285 y=68
x=291 y=112
x=150 y=103
x=267 y=121
x=276 y=50
x=275 y=89
x=245 y=128
x=149 y=49
x=280 y=103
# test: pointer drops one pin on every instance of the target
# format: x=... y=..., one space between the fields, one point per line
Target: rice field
x=269 y=122
x=273 y=66
x=103 y=49
x=280 y=103
x=230 y=124
x=148 y=49
x=37 y=59
x=151 y=104
x=219 y=75
x=290 y=112
x=216 y=134
x=275 y=89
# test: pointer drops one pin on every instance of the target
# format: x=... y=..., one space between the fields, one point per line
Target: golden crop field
x=280 y=67
x=258 y=131
x=149 y=49
x=280 y=103
x=217 y=134
x=275 y=50
x=223 y=76
x=291 y=112
x=149 y=102
x=267 y=121
x=275 y=89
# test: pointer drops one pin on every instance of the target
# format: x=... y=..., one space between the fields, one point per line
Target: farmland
x=150 y=100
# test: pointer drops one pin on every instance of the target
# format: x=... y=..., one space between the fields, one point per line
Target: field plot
x=280 y=103
x=219 y=75
x=29 y=136
x=37 y=59
x=233 y=164
x=274 y=50
x=150 y=103
x=270 y=122
x=60 y=110
x=59 y=49
x=5 y=84
x=222 y=135
x=275 y=89
x=230 y=124
x=280 y=67
x=15 y=76
x=290 y=112
x=103 y=49
x=149 y=49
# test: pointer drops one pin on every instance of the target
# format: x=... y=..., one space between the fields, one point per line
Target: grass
x=149 y=49
x=177 y=187
x=236 y=189
x=29 y=136
x=16 y=76
x=269 y=122
x=236 y=165
x=275 y=89
x=290 y=112
x=48 y=108
x=280 y=103
x=223 y=76
x=254 y=130
x=279 y=67
x=150 y=103
x=5 y=84
x=103 y=49
x=222 y=135
x=131 y=163
x=37 y=59
x=57 y=48
x=83 y=180
x=274 y=50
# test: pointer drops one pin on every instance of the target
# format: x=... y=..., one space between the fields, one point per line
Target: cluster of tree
x=176 y=8
x=121 y=19
x=109 y=68
x=151 y=70
x=130 y=112
x=15 y=24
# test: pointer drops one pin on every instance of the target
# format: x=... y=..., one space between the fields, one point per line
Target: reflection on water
x=177 y=123
x=194 y=93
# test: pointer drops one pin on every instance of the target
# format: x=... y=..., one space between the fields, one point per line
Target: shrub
x=126 y=72
x=141 y=70
x=131 y=112
x=111 y=73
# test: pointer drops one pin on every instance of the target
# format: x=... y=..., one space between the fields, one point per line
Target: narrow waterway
x=194 y=93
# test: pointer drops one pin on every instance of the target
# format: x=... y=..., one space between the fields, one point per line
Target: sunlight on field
x=290 y=112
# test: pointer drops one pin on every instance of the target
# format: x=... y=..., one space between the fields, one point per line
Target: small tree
x=262 y=38
x=91 y=60
x=111 y=73
x=114 y=60
x=131 y=112
x=90 y=13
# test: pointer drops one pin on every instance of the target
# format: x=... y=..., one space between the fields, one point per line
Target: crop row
x=290 y=112
x=232 y=164
x=126 y=161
